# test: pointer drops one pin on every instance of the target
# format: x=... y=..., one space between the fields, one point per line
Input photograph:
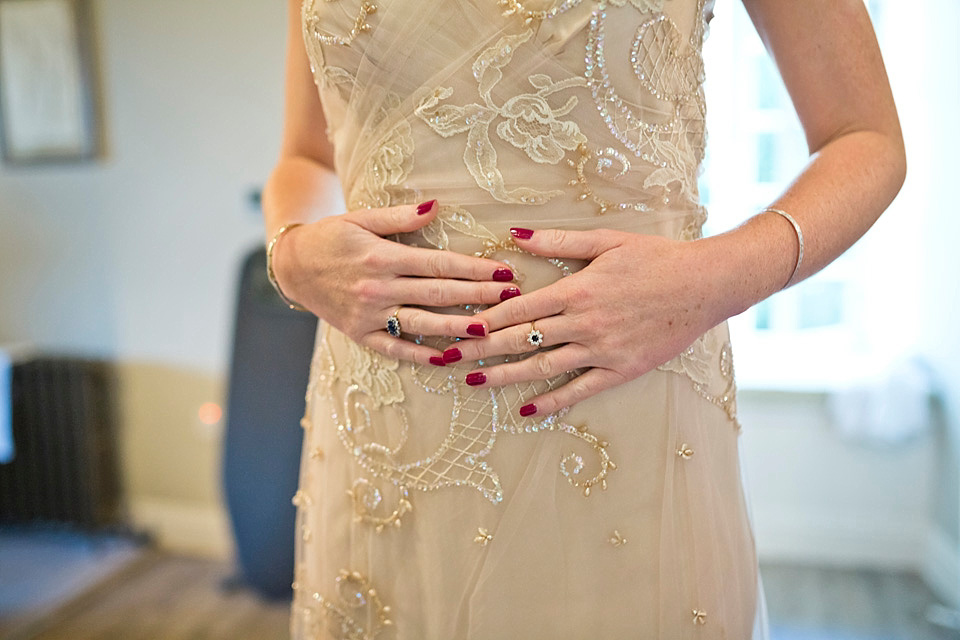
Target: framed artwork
x=47 y=107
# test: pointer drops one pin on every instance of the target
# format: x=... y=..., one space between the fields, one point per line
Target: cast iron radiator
x=64 y=468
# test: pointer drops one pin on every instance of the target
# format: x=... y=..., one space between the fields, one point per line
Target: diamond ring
x=535 y=337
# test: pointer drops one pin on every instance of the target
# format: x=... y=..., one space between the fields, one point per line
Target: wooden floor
x=163 y=597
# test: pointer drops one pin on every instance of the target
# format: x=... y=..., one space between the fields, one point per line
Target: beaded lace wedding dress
x=429 y=509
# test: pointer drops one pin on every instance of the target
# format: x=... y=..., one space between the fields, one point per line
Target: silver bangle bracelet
x=796 y=227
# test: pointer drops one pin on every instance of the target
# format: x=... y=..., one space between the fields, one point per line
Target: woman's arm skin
x=339 y=266
x=643 y=299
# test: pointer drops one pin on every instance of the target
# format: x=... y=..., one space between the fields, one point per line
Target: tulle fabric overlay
x=428 y=509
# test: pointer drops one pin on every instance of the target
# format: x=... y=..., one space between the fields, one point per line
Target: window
x=837 y=325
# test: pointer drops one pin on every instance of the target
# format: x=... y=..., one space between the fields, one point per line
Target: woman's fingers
x=416 y=321
x=540 y=366
x=384 y=343
x=431 y=292
x=390 y=220
x=433 y=263
x=523 y=338
x=560 y=243
x=588 y=384
x=542 y=303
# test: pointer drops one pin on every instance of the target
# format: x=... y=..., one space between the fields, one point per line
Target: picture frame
x=48 y=111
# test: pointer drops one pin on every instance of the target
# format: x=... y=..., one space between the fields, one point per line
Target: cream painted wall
x=135 y=256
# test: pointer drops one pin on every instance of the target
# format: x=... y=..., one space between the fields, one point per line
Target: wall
x=821 y=498
x=135 y=256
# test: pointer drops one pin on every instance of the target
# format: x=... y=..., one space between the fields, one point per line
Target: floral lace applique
x=390 y=162
x=694 y=229
x=458 y=220
x=700 y=362
x=373 y=373
x=528 y=122
x=532 y=125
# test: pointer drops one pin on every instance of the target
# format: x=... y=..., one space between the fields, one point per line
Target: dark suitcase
x=272 y=349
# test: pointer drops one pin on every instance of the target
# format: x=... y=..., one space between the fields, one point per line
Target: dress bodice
x=584 y=113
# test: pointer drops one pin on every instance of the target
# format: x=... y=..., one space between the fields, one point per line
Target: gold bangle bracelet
x=271 y=276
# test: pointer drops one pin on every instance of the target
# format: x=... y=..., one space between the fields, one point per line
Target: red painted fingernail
x=520 y=232
x=438 y=361
x=425 y=207
x=452 y=355
x=528 y=410
x=509 y=292
x=476 y=330
x=503 y=275
x=476 y=379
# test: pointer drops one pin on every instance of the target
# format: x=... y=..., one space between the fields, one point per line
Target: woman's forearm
x=842 y=191
x=298 y=190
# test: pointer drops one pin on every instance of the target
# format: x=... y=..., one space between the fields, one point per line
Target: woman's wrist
x=750 y=263
x=278 y=261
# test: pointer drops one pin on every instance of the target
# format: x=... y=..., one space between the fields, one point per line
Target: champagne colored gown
x=430 y=510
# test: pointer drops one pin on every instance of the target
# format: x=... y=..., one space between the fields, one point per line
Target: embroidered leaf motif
x=540 y=80
x=487 y=67
x=449 y=120
x=662 y=178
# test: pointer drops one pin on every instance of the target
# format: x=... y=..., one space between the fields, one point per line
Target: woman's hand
x=344 y=271
x=639 y=302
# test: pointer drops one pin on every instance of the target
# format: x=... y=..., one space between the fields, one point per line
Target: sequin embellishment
x=484 y=537
x=368 y=505
x=357 y=613
x=675 y=145
x=360 y=25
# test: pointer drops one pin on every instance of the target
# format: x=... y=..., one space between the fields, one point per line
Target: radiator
x=64 y=468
